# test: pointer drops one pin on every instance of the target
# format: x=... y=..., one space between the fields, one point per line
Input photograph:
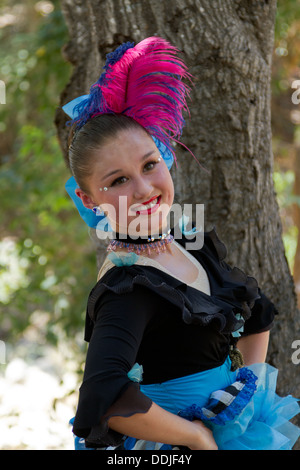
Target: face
x=140 y=189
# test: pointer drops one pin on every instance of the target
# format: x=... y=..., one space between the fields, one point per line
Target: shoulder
x=126 y=279
x=132 y=289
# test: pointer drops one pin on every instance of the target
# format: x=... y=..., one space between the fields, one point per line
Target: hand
x=204 y=439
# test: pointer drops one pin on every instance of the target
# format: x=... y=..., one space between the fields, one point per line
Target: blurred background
x=47 y=257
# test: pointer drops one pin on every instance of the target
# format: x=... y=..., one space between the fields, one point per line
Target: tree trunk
x=228 y=46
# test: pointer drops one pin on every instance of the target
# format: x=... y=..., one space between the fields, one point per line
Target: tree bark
x=228 y=46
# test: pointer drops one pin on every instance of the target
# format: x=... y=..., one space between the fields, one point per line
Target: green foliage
x=286 y=129
x=47 y=233
x=287 y=12
x=47 y=261
x=284 y=185
x=33 y=68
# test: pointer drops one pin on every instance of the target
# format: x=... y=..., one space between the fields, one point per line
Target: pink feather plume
x=147 y=85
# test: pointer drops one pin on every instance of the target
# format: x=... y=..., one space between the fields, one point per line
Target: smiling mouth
x=149 y=207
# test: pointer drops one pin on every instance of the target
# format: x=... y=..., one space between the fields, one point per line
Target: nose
x=142 y=189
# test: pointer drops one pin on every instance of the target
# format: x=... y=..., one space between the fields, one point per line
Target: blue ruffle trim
x=246 y=381
x=136 y=373
x=183 y=222
x=123 y=259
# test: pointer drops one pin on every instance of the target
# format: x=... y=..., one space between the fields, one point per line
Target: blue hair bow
x=90 y=218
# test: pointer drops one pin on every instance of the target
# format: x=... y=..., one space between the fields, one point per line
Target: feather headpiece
x=143 y=82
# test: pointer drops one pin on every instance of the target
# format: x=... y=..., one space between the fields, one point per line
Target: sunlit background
x=47 y=260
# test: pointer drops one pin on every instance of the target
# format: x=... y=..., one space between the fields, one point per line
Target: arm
x=254 y=347
x=159 y=425
x=254 y=342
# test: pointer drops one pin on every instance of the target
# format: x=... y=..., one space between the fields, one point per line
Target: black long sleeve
x=112 y=351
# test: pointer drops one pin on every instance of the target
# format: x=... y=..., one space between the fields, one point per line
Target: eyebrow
x=120 y=169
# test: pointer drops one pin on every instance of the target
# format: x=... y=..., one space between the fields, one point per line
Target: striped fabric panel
x=221 y=399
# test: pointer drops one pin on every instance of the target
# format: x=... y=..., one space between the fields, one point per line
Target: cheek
x=168 y=187
x=111 y=208
x=117 y=210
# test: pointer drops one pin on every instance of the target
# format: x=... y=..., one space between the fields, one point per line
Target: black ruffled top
x=141 y=314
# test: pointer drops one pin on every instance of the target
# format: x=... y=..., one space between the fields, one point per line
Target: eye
x=150 y=165
x=120 y=180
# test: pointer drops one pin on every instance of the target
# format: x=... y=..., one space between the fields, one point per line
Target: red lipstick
x=148 y=202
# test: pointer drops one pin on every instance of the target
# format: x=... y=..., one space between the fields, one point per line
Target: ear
x=87 y=201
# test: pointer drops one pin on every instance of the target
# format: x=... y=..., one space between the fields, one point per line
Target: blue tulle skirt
x=260 y=420
x=241 y=408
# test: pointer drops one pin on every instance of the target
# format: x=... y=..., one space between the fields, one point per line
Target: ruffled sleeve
x=238 y=293
x=106 y=390
x=262 y=316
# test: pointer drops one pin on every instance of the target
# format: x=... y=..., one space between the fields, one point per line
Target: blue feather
x=113 y=57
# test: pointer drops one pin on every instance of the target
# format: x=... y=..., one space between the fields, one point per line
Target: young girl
x=167 y=326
